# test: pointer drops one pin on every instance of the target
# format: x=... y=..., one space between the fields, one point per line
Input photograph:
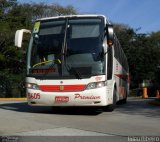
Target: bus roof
x=73 y=16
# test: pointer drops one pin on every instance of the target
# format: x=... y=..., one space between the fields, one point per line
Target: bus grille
x=62 y=88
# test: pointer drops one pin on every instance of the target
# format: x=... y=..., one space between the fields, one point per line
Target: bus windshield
x=66 y=47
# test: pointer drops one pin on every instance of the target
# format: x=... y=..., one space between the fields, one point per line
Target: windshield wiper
x=64 y=52
x=73 y=71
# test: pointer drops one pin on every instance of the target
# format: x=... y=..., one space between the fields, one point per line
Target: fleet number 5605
x=34 y=96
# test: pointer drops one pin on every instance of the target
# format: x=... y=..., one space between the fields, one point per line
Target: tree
x=142 y=52
x=15 y=16
x=25 y=14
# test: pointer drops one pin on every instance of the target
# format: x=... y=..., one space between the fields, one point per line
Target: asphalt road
x=136 y=118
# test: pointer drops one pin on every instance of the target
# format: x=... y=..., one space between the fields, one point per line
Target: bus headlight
x=32 y=86
x=95 y=85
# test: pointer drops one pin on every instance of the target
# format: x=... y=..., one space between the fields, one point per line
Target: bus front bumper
x=93 y=97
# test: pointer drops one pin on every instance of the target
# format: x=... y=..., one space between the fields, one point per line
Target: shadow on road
x=134 y=106
x=24 y=107
x=138 y=106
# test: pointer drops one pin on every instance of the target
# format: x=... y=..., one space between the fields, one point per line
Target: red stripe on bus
x=62 y=88
x=123 y=76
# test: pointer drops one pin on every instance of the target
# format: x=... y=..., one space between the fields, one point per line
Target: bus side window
x=110 y=64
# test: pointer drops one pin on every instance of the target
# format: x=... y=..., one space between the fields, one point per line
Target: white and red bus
x=74 y=60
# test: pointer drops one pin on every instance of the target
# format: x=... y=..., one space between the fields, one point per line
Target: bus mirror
x=19 y=37
x=110 y=34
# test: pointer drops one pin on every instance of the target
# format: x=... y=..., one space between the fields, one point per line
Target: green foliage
x=15 y=16
x=2 y=58
x=142 y=52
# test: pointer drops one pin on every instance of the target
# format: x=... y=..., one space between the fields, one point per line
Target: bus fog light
x=32 y=86
x=100 y=84
x=91 y=86
x=28 y=85
x=94 y=85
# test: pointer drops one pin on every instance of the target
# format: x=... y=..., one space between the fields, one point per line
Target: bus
x=74 y=60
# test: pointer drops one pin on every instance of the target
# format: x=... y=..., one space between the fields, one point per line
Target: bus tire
x=112 y=106
x=124 y=101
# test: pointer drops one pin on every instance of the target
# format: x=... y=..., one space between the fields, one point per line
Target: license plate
x=61 y=99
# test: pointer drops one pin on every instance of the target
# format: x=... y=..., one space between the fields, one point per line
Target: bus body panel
x=92 y=97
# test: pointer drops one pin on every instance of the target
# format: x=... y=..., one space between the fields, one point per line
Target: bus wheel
x=112 y=106
x=124 y=101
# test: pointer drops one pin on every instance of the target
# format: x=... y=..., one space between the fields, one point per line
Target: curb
x=13 y=99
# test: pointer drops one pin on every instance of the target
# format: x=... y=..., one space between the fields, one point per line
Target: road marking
x=62 y=131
